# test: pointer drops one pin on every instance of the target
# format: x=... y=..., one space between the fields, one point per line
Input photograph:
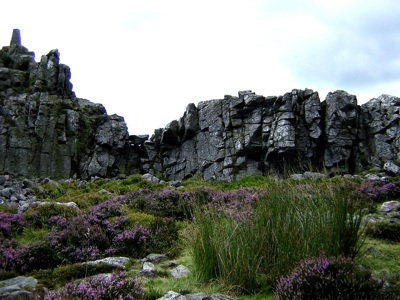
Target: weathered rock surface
x=45 y=131
x=234 y=137
x=20 y=287
x=114 y=262
x=180 y=272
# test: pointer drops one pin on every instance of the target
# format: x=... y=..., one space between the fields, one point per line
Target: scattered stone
x=151 y=178
x=154 y=257
x=20 y=286
x=104 y=192
x=148 y=267
x=51 y=182
x=65 y=204
x=297 y=177
x=171 y=264
x=390 y=206
x=198 y=296
x=372 y=177
x=220 y=297
x=315 y=176
x=180 y=272
x=391 y=168
x=171 y=295
x=115 y=262
x=175 y=183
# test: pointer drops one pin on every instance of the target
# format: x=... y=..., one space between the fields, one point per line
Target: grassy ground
x=382 y=258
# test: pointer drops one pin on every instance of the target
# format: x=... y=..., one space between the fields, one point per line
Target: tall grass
x=288 y=223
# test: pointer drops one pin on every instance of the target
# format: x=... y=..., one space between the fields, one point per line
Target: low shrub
x=10 y=253
x=138 y=217
x=328 y=278
x=39 y=216
x=384 y=230
x=10 y=224
x=39 y=256
x=379 y=190
x=70 y=272
x=102 y=287
x=23 y=259
x=165 y=203
x=132 y=242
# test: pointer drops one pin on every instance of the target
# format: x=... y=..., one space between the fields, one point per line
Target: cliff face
x=45 y=131
x=253 y=135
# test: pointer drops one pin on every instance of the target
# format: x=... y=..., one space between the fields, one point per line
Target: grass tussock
x=285 y=224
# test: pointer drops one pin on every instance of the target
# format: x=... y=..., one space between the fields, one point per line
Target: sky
x=146 y=60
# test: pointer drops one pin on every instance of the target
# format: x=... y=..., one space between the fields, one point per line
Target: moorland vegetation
x=256 y=238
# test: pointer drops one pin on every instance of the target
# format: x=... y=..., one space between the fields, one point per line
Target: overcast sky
x=147 y=59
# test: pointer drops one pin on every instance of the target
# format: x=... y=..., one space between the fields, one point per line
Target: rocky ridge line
x=46 y=131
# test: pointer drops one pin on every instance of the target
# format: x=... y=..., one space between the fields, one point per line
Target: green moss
x=383 y=260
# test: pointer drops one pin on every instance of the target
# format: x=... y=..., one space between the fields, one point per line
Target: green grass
x=382 y=258
x=290 y=223
x=159 y=286
x=89 y=195
x=30 y=235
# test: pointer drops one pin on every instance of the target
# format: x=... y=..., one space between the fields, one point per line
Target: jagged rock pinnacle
x=16 y=37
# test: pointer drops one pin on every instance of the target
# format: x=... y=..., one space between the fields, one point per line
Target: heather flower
x=378 y=190
x=328 y=278
x=10 y=223
x=115 y=286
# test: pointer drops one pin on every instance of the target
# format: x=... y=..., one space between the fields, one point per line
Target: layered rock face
x=234 y=137
x=45 y=131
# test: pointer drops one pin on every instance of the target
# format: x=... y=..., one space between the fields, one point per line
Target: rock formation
x=46 y=131
x=233 y=137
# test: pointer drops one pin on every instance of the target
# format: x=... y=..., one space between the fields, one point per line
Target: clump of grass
x=288 y=223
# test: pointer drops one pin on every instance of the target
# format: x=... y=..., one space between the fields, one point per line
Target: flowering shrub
x=379 y=190
x=39 y=216
x=101 y=231
x=10 y=223
x=328 y=278
x=117 y=286
x=237 y=204
x=132 y=242
x=165 y=203
x=10 y=254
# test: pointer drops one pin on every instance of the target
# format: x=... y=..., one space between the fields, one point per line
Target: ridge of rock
x=46 y=131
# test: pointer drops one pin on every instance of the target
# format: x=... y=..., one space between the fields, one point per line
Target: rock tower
x=16 y=37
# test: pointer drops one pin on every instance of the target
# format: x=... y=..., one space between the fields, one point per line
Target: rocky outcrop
x=250 y=134
x=45 y=131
